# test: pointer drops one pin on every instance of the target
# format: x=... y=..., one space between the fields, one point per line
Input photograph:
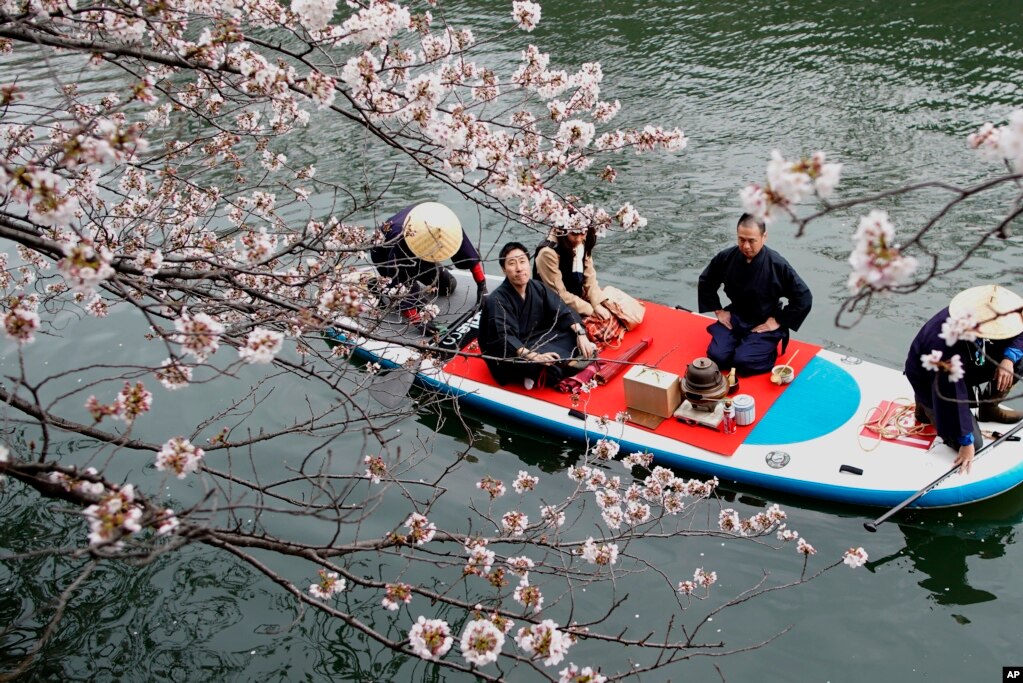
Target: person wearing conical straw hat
x=415 y=241
x=975 y=344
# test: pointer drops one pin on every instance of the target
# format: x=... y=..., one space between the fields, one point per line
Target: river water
x=889 y=88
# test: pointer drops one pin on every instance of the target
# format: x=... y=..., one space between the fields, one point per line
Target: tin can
x=745 y=409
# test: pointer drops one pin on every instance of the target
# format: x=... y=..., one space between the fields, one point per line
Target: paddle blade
x=390 y=387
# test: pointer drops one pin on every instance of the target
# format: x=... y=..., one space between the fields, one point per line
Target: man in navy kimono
x=756 y=280
x=526 y=331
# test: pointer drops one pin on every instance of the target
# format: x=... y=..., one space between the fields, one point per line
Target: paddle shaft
x=872 y=526
x=462 y=319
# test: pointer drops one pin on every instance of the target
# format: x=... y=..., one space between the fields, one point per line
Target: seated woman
x=564 y=262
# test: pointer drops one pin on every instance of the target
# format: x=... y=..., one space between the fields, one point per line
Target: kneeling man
x=756 y=280
x=526 y=330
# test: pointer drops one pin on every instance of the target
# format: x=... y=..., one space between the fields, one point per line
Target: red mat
x=894 y=422
x=678 y=337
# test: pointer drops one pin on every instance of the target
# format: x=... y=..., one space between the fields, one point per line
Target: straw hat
x=988 y=304
x=432 y=232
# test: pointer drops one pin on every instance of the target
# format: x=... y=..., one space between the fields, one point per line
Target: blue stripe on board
x=554 y=426
x=820 y=400
x=844 y=388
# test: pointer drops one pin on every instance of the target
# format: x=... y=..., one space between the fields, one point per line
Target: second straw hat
x=990 y=305
x=432 y=232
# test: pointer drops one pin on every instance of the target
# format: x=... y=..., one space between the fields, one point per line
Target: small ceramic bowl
x=782 y=374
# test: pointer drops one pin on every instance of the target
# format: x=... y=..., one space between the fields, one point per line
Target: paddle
x=393 y=385
x=872 y=526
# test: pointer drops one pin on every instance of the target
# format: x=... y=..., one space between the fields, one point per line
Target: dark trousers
x=517 y=369
x=418 y=275
x=750 y=353
x=952 y=440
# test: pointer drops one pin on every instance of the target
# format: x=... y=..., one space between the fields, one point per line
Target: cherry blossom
x=637 y=513
x=637 y=460
x=605 y=554
x=167 y=522
x=959 y=328
x=199 y=335
x=525 y=482
x=481 y=559
x=986 y=141
x=876 y=260
x=520 y=565
x=84 y=265
x=133 y=400
x=261 y=346
x=704 y=578
x=314 y=14
x=375 y=468
x=528 y=596
x=22 y=321
x=789 y=183
x=179 y=456
x=396 y=595
x=605 y=449
x=934 y=362
x=420 y=528
x=629 y=218
x=544 y=640
x=375 y=23
x=855 y=557
x=514 y=522
x=173 y=375
x=728 y=520
x=481 y=642
x=613 y=516
x=328 y=586
x=149 y=262
x=430 y=638
x=526 y=14
x=955 y=369
x=1001 y=143
x=494 y=487
x=113 y=517
x=552 y=516
x=805 y=548
x=575 y=674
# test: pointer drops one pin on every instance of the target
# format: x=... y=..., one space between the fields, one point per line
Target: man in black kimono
x=526 y=331
x=756 y=279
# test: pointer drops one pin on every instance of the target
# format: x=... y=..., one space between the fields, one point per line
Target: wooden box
x=652 y=391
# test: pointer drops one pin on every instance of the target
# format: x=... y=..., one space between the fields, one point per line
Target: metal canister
x=745 y=409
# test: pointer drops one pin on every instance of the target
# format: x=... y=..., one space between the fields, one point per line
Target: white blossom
x=430 y=638
x=855 y=557
x=481 y=642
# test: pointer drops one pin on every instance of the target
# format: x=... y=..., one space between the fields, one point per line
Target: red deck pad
x=678 y=337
